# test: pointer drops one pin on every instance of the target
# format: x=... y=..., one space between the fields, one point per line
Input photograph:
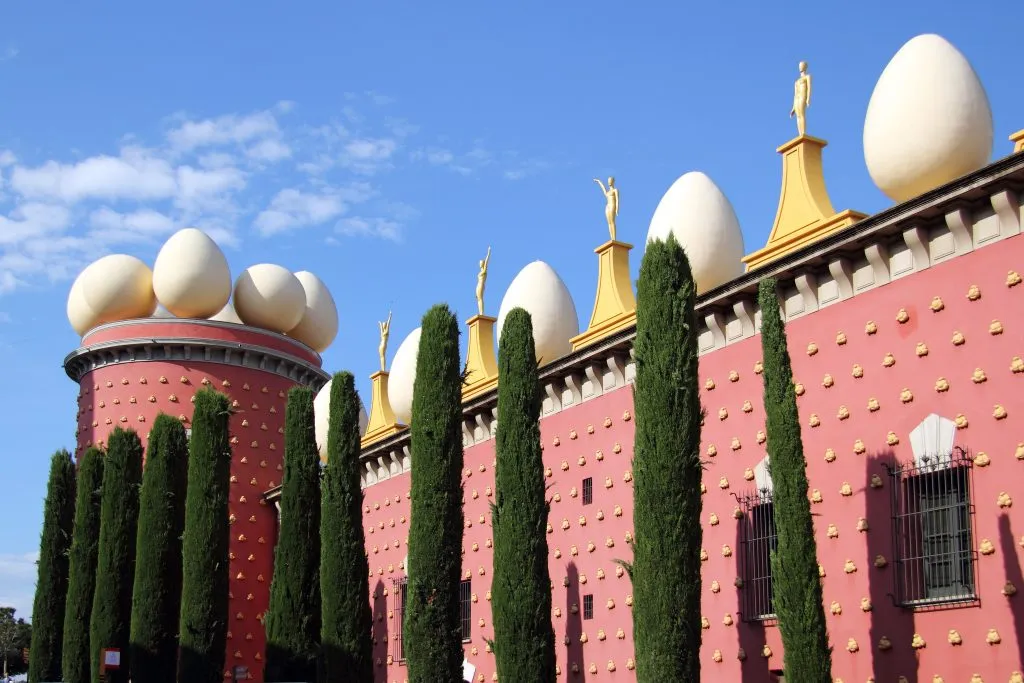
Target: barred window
x=588 y=490
x=466 y=609
x=588 y=606
x=932 y=524
x=401 y=589
x=758 y=540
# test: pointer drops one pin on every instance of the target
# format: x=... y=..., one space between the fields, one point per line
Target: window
x=401 y=589
x=588 y=606
x=758 y=540
x=466 y=609
x=588 y=490
x=932 y=519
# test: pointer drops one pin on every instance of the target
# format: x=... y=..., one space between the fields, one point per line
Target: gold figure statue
x=611 y=207
x=801 y=99
x=481 y=281
x=385 y=331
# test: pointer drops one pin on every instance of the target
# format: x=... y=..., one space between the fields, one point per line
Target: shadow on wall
x=887 y=620
x=1011 y=564
x=382 y=645
x=751 y=634
x=574 y=661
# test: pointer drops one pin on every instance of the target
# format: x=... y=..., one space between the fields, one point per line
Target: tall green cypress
x=346 y=636
x=795 y=580
x=82 y=567
x=203 y=630
x=293 y=620
x=524 y=640
x=666 y=470
x=156 y=602
x=115 y=568
x=52 y=585
x=432 y=626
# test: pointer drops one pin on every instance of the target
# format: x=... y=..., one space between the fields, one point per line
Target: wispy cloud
x=8 y=53
x=17 y=582
x=292 y=209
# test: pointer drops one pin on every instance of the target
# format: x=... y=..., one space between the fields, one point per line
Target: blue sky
x=385 y=145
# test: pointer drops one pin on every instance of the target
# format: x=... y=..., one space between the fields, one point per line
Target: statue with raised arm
x=385 y=331
x=481 y=282
x=801 y=99
x=611 y=206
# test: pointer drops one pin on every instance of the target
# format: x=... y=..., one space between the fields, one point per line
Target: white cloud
x=18 y=573
x=7 y=158
x=269 y=150
x=135 y=174
x=141 y=225
x=292 y=209
x=9 y=53
x=357 y=226
x=33 y=220
x=368 y=155
x=229 y=129
x=5 y=318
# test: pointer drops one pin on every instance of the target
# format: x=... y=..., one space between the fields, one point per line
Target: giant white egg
x=319 y=324
x=118 y=287
x=928 y=120
x=80 y=314
x=705 y=225
x=269 y=296
x=227 y=315
x=191 y=277
x=403 y=375
x=538 y=289
x=322 y=415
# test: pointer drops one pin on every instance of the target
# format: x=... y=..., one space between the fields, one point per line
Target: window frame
x=933 y=518
x=588 y=490
x=401 y=591
x=466 y=609
x=588 y=607
x=758 y=540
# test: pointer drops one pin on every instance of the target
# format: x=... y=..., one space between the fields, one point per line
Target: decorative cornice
x=175 y=349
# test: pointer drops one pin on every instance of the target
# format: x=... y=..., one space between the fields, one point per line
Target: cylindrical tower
x=130 y=371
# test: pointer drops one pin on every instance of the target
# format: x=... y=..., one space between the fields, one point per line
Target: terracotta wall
x=844 y=451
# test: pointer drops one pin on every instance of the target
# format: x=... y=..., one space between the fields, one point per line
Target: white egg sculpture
x=322 y=414
x=403 y=375
x=538 y=289
x=191 y=277
x=118 y=287
x=705 y=225
x=227 y=315
x=928 y=121
x=319 y=324
x=269 y=296
x=80 y=315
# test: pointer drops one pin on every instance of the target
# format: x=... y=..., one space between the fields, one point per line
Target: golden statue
x=481 y=281
x=611 y=207
x=801 y=100
x=385 y=331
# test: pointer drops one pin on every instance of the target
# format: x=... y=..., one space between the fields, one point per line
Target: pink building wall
x=594 y=439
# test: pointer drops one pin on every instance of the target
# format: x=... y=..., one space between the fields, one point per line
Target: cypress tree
x=115 y=568
x=293 y=620
x=346 y=636
x=52 y=585
x=524 y=640
x=666 y=470
x=156 y=602
x=795 y=580
x=203 y=630
x=82 y=567
x=432 y=625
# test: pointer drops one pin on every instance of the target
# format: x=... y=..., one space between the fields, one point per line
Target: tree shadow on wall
x=887 y=621
x=574 y=626
x=1014 y=575
x=752 y=567
x=382 y=644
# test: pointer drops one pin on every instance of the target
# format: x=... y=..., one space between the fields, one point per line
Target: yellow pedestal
x=1018 y=141
x=615 y=303
x=382 y=422
x=481 y=362
x=805 y=212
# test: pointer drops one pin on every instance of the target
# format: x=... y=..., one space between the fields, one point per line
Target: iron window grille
x=758 y=540
x=465 y=614
x=401 y=589
x=466 y=609
x=588 y=607
x=588 y=490
x=933 y=531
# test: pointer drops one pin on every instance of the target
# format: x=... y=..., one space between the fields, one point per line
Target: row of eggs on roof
x=191 y=279
x=928 y=122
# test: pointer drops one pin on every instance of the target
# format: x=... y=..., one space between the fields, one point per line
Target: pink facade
x=130 y=372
